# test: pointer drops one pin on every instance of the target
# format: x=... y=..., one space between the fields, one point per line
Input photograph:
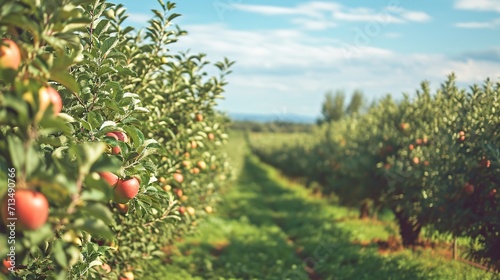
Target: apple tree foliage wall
x=110 y=142
x=433 y=159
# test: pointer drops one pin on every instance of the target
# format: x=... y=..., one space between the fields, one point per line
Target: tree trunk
x=409 y=229
x=455 y=248
x=375 y=209
x=364 y=210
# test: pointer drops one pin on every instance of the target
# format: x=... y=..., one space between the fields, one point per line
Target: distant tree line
x=274 y=126
x=334 y=108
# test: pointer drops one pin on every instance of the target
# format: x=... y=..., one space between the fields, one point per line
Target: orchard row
x=434 y=160
x=111 y=141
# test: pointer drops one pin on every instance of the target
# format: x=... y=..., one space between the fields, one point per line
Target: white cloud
x=474 y=25
x=139 y=18
x=288 y=68
x=416 y=16
x=389 y=14
x=366 y=16
x=268 y=10
x=312 y=8
x=275 y=48
x=317 y=15
x=313 y=24
x=479 y=24
x=321 y=6
x=478 y=5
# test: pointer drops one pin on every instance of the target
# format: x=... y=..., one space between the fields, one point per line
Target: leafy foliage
x=433 y=160
x=334 y=107
x=130 y=109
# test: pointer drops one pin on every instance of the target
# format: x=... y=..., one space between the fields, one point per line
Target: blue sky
x=288 y=53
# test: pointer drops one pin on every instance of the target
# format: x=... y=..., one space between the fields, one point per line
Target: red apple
x=461 y=136
x=178 y=192
x=122 y=208
x=109 y=177
x=10 y=55
x=492 y=193
x=178 y=177
x=48 y=95
x=416 y=160
x=31 y=209
x=199 y=117
x=201 y=164
x=5 y=266
x=129 y=275
x=105 y=267
x=182 y=210
x=120 y=136
x=186 y=163
x=485 y=163
x=125 y=190
x=195 y=170
x=468 y=188
x=194 y=144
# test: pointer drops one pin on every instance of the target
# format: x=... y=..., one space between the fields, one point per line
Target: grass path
x=268 y=228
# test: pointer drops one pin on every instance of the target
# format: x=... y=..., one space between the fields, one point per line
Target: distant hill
x=272 y=117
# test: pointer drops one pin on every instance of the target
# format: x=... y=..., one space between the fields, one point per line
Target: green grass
x=269 y=228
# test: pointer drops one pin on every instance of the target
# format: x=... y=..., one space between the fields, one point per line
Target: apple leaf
x=101 y=212
x=93 y=226
x=58 y=252
x=16 y=151
x=65 y=79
